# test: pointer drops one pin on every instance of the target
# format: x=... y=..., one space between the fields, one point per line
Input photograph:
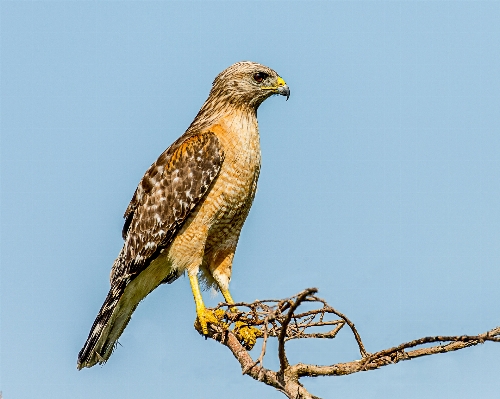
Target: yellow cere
x=281 y=82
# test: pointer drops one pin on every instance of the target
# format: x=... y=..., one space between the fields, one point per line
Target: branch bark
x=278 y=318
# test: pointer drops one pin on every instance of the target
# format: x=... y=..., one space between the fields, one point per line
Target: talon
x=247 y=334
x=205 y=317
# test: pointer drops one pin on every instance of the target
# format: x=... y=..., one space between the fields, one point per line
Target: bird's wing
x=165 y=197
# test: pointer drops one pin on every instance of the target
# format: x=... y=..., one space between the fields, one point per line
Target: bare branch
x=284 y=326
x=278 y=319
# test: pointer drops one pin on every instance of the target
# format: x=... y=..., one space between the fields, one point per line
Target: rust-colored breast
x=217 y=223
x=235 y=187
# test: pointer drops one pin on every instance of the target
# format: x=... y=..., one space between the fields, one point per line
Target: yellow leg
x=227 y=296
x=205 y=316
x=229 y=299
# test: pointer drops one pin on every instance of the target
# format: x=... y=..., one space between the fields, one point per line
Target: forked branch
x=279 y=318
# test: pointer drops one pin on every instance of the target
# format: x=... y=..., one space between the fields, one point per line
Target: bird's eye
x=260 y=76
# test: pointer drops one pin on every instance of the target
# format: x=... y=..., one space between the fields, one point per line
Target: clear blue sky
x=380 y=186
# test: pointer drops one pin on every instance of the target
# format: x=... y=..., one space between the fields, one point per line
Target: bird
x=188 y=210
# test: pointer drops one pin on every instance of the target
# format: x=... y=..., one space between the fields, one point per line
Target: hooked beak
x=284 y=91
x=281 y=88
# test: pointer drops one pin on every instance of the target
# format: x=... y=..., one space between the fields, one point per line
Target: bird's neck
x=235 y=126
x=214 y=112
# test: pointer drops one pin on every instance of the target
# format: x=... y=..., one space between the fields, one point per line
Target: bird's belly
x=231 y=199
x=217 y=222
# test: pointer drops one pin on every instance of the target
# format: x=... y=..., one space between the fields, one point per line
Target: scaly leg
x=228 y=298
x=227 y=295
x=205 y=316
x=221 y=271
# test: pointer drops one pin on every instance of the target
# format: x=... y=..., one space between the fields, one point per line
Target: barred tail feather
x=125 y=294
x=107 y=328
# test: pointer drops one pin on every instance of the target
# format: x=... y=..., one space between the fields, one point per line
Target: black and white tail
x=127 y=290
x=107 y=328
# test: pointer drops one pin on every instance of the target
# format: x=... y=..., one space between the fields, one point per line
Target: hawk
x=187 y=213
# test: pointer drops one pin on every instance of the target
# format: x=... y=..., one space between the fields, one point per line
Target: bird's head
x=248 y=83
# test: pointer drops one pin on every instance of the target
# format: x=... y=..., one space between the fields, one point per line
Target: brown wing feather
x=167 y=193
